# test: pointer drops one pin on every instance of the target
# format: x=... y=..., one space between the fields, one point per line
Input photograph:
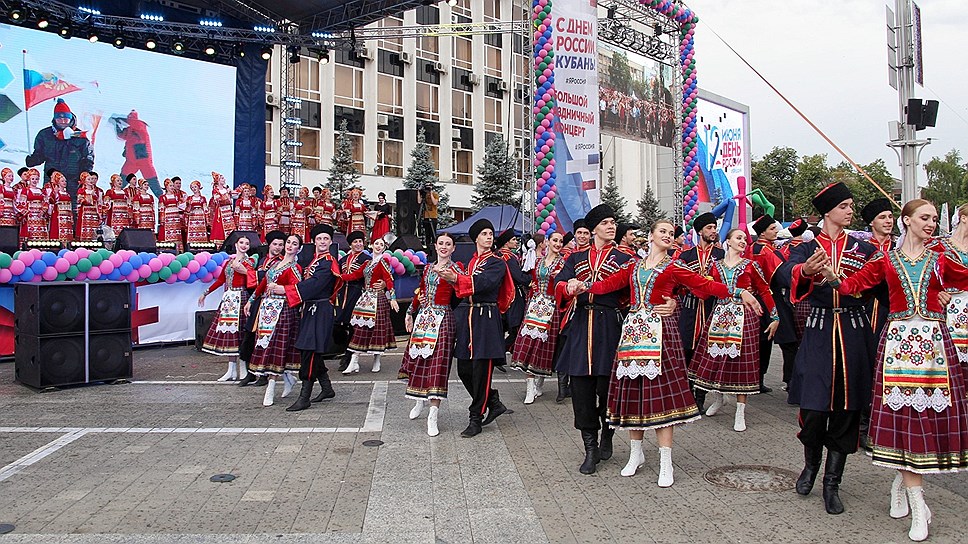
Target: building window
x=354 y=119
x=357 y=142
x=349 y=58
x=464 y=166
x=307 y=79
x=492 y=9
x=348 y=88
x=269 y=132
x=388 y=62
x=461 y=80
x=308 y=152
x=428 y=101
x=463 y=110
x=389 y=94
x=427 y=71
x=497 y=40
x=492 y=61
x=463 y=52
x=428 y=15
x=393 y=44
x=389 y=158
x=428 y=47
x=492 y=114
x=431 y=131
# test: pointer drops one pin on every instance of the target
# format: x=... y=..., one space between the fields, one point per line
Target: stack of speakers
x=70 y=333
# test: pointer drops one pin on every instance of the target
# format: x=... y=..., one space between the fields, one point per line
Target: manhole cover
x=755 y=478
x=222 y=478
x=6 y=528
x=372 y=443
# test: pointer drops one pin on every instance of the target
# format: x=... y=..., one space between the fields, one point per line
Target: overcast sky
x=830 y=59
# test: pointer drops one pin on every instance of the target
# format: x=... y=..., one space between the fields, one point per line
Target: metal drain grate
x=752 y=478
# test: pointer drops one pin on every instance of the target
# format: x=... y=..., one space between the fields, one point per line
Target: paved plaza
x=132 y=463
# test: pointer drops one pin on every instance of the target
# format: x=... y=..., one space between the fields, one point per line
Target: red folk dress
x=196 y=219
x=247 y=213
x=226 y=331
x=33 y=206
x=144 y=211
x=62 y=216
x=300 y=219
x=276 y=324
x=727 y=358
x=284 y=208
x=223 y=220
x=324 y=211
x=117 y=209
x=372 y=329
x=8 y=207
x=426 y=361
x=354 y=213
x=648 y=388
x=270 y=217
x=534 y=348
x=88 y=213
x=171 y=220
x=919 y=416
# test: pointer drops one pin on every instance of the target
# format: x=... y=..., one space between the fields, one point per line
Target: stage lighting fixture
x=266 y=52
x=43 y=21
x=323 y=56
x=92 y=37
x=16 y=15
x=151 y=43
x=178 y=46
x=293 y=55
x=118 y=41
x=66 y=31
x=451 y=3
x=240 y=50
x=209 y=49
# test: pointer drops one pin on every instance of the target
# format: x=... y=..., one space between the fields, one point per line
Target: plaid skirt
x=925 y=442
x=641 y=403
x=378 y=338
x=281 y=354
x=801 y=311
x=533 y=354
x=732 y=376
x=222 y=342
x=427 y=377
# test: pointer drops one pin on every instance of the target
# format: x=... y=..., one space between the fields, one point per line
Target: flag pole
x=26 y=109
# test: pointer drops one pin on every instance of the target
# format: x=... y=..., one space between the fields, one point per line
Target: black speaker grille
x=49 y=362
x=51 y=309
x=110 y=306
x=109 y=356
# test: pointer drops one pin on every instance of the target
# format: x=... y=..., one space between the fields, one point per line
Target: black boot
x=763 y=388
x=473 y=427
x=832 y=475
x=344 y=363
x=327 y=391
x=590 y=438
x=700 y=395
x=865 y=426
x=303 y=401
x=811 y=466
x=494 y=408
x=249 y=379
x=262 y=380
x=564 y=389
x=605 y=449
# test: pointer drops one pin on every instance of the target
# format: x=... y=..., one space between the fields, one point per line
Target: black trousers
x=475 y=374
x=312 y=366
x=766 y=349
x=429 y=227
x=789 y=357
x=589 y=400
x=838 y=431
x=512 y=336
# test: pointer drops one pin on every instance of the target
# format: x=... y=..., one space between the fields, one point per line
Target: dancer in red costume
x=88 y=207
x=324 y=211
x=285 y=205
x=171 y=218
x=247 y=208
x=270 y=211
x=224 y=336
x=61 y=209
x=381 y=217
x=8 y=206
x=354 y=212
x=223 y=220
x=116 y=207
x=196 y=215
x=33 y=209
x=144 y=207
x=137 y=149
x=301 y=208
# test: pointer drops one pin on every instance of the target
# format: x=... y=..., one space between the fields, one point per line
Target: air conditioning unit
x=383 y=135
x=458 y=145
x=474 y=79
x=382 y=119
x=272 y=100
x=518 y=154
x=406 y=57
x=365 y=53
x=439 y=67
x=455 y=134
x=523 y=144
x=504 y=86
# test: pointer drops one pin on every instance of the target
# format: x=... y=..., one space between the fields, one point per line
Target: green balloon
x=61 y=277
x=550 y=207
x=95 y=258
x=184 y=258
x=153 y=278
x=550 y=155
x=175 y=266
x=545 y=111
x=165 y=272
x=73 y=271
x=84 y=265
x=104 y=253
x=5 y=260
x=545 y=162
x=17 y=253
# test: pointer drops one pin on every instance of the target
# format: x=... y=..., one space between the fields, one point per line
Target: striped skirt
x=535 y=355
x=281 y=354
x=220 y=338
x=730 y=375
x=379 y=337
x=427 y=376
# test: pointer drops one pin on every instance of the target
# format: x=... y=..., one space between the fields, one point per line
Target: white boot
x=717 y=403
x=529 y=395
x=270 y=393
x=538 y=382
x=899 y=498
x=432 y=429
x=376 y=362
x=243 y=371
x=354 y=365
x=636 y=458
x=739 y=424
x=665 y=467
x=920 y=514
x=287 y=382
x=231 y=374
x=417 y=409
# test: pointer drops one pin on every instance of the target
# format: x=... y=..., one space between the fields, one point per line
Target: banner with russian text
x=576 y=124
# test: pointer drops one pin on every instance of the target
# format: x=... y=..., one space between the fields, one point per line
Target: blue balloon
x=115 y=275
x=135 y=261
x=27 y=275
x=125 y=268
x=211 y=266
x=38 y=267
x=62 y=252
x=48 y=258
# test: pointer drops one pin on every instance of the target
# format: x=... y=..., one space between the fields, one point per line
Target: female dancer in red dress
x=224 y=335
x=246 y=208
x=301 y=208
x=919 y=418
x=171 y=216
x=430 y=322
x=144 y=207
x=196 y=215
x=727 y=358
x=61 y=210
x=115 y=204
x=534 y=348
x=354 y=212
x=88 y=208
x=372 y=329
x=33 y=208
x=381 y=217
x=270 y=212
x=8 y=206
x=648 y=388
x=324 y=209
x=223 y=220
x=276 y=324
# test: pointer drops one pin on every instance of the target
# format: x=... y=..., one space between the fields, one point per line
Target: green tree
x=613 y=197
x=422 y=173
x=496 y=185
x=862 y=189
x=947 y=181
x=774 y=175
x=812 y=175
x=619 y=73
x=342 y=173
x=648 y=209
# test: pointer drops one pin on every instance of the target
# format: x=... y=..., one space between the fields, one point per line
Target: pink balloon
x=81 y=276
x=27 y=258
x=546 y=201
x=82 y=252
x=172 y=279
x=166 y=258
x=50 y=274
x=183 y=274
x=17 y=267
x=94 y=273
x=144 y=271
x=71 y=257
x=116 y=260
x=207 y=278
x=551 y=195
x=203 y=258
x=155 y=264
x=106 y=267
x=61 y=265
x=5 y=275
x=36 y=253
x=133 y=276
x=192 y=267
x=37 y=278
x=218 y=271
x=399 y=269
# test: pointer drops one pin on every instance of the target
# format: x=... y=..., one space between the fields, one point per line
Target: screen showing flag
x=143 y=112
